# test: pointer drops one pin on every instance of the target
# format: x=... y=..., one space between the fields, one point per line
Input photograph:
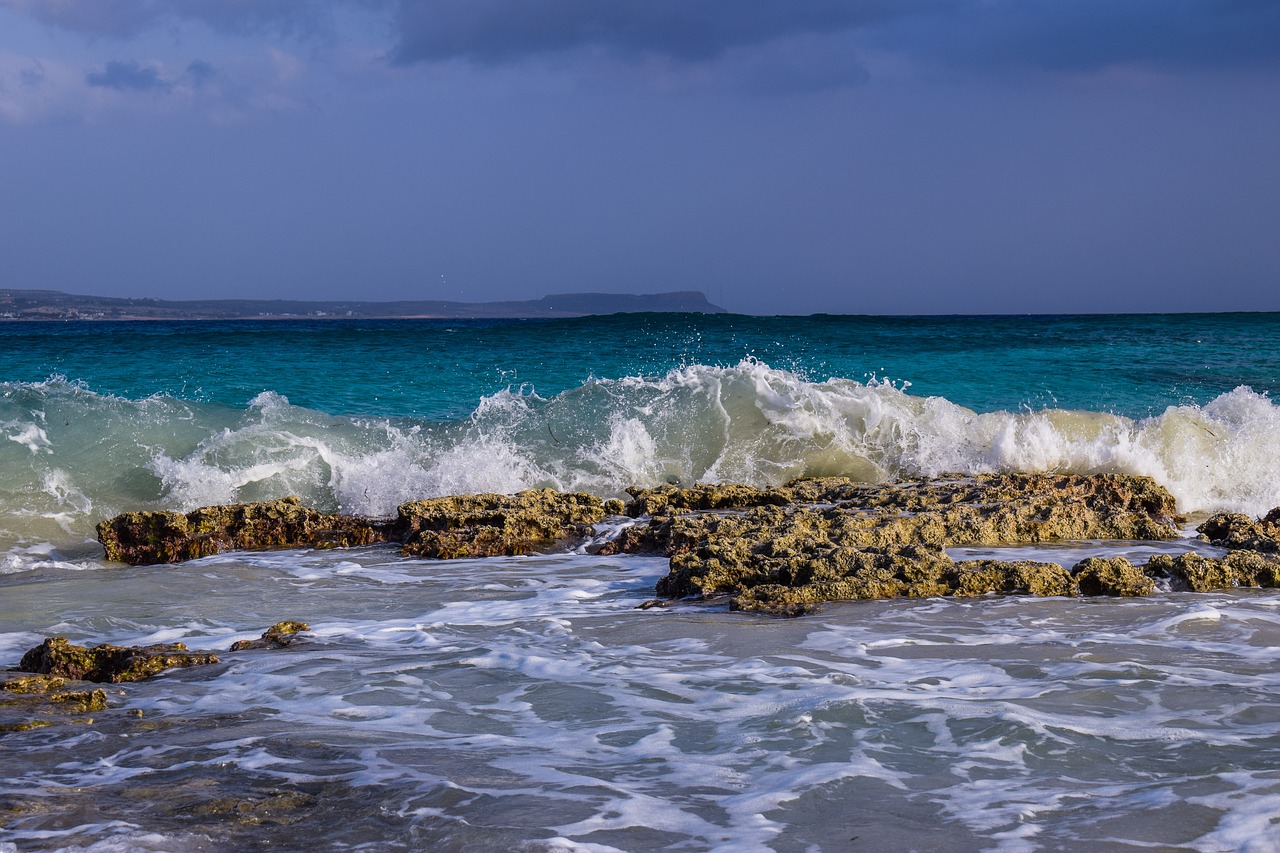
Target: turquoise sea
x=525 y=703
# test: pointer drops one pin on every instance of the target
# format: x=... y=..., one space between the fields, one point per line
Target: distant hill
x=55 y=305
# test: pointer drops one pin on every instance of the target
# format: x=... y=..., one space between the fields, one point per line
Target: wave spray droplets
x=73 y=456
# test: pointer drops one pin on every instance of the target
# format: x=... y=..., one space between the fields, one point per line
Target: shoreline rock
x=50 y=684
x=782 y=550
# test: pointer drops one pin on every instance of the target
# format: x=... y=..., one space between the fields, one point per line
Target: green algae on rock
x=146 y=538
x=30 y=701
x=1240 y=532
x=785 y=550
x=1111 y=576
x=485 y=525
x=1194 y=573
x=491 y=525
x=781 y=550
x=108 y=663
x=277 y=636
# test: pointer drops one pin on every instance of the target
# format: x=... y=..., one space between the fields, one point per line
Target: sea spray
x=71 y=455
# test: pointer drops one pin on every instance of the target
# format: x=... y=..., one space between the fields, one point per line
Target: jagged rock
x=1195 y=573
x=277 y=636
x=145 y=538
x=1111 y=576
x=34 y=701
x=107 y=663
x=987 y=510
x=489 y=525
x=1235 y=531
x=779 y=550
x=978 y=577
x=843 y=540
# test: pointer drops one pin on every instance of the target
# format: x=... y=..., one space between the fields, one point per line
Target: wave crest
x=73 y=456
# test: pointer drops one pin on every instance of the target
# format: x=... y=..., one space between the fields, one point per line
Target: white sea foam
x=746 y=423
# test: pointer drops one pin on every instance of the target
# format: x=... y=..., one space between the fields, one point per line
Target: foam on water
x=527 y=701
x=75 y=456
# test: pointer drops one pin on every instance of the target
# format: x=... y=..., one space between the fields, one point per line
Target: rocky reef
x=484 y=525
x=51 y=683
x=781 y=550
x=107 y=663
x=788 y=549
x=35 y=701
x=145 y=538
x=277 y=636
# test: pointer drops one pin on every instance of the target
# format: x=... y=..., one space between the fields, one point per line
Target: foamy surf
x=73 y=455
x=527 y=704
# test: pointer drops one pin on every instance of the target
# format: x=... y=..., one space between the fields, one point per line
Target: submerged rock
x=277 y=636
x=107 y=663
x=34 y=701
x=145 y=538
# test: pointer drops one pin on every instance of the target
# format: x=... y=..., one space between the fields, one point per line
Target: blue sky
x=790 y=156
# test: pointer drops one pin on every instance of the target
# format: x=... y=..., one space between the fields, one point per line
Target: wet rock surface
x=107 y=663
x=786 y=550
x=782 y=550
x=277 y=636
x=484 y=525
x=1240 y=532
x=53 y=681
x=30 y=701
x=489 y=525
x=146 y=538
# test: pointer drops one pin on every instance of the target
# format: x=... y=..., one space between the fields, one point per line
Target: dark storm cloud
x=496 y=31
x=1092 y=34
x=992 y=34
x=128 y=76
x=127 y=18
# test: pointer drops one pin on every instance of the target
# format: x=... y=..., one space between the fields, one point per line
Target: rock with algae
x=29 y=701
x=785 y=550
x=108 y=663
x=483 y=525
x=146 y=538
x=780 y=550
x=490 y=525
x=1240 y=532
x=1194 y=573
x=1114 y=576
x=277 y=636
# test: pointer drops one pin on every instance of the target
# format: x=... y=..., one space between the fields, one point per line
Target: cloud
x=128 y=18
x=980 y=35
x=128 y=75
x=1089 y=35
x=499 y=31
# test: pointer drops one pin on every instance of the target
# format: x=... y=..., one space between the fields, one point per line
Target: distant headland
x=55 y=305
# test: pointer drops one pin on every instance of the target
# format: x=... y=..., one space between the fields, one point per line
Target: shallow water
x=527 y=704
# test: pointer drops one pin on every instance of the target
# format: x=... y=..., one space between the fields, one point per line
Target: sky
x=782 y=156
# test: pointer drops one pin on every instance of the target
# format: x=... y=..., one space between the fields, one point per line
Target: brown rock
x=277 y=636
x=1111 y=576
x=107 y=663
x=491 y=525
x=145 y=538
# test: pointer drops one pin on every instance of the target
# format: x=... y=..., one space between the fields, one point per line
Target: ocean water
x=526 y=703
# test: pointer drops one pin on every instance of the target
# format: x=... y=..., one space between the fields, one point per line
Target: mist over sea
x=525 y=703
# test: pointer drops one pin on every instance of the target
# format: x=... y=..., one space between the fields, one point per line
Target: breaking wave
x=70 y=456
